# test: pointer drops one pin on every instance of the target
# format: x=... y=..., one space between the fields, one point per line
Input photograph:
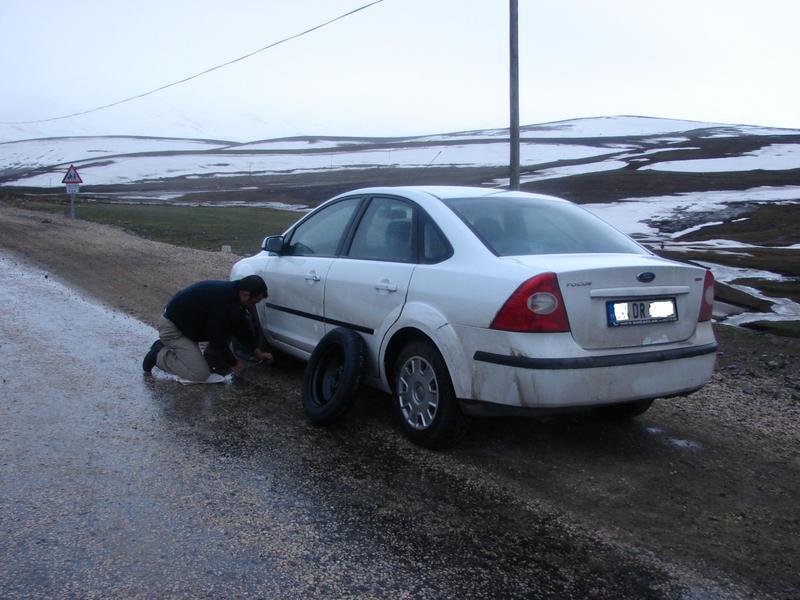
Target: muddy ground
x=706 y=487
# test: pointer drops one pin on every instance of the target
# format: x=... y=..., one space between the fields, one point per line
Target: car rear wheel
x=333 y=376
x=424 y=400
x=628 y=410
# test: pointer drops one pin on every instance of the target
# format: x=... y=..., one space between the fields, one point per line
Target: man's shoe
x=150 y=358
x=213 y=378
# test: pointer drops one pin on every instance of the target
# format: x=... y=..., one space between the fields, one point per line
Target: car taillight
x=707 y=302
x=535 y=306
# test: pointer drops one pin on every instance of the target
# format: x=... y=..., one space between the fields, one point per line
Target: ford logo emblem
x=646 y=277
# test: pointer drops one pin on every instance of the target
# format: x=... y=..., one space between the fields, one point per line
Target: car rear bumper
x=478 y=408
x=592 y=362
x=551 y=372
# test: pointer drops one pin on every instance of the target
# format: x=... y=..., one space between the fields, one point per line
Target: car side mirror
x=273 y=244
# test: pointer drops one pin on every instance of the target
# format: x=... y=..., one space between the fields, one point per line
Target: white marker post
x=73 y=181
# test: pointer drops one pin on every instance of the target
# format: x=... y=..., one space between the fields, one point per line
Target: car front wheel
x=424 y=399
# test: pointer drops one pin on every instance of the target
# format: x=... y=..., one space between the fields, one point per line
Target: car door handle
x=384 y=285
x=312 y=276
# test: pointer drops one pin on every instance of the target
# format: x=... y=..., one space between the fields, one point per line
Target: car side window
x=435 y=247
x=320 y=234
x=385 y=232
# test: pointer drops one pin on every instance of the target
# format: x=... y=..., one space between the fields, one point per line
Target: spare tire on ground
x=333 y=376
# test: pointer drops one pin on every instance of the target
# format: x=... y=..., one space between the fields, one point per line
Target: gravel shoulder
x=134 y=275
x=706 y=484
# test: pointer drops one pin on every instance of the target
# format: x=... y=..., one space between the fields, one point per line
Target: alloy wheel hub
x=418 y=392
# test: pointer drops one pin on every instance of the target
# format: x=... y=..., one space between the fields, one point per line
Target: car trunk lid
x=625 y=300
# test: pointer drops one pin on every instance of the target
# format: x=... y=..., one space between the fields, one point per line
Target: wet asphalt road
x=117 y=484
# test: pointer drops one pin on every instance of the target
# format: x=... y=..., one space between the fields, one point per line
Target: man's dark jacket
x=209 y=311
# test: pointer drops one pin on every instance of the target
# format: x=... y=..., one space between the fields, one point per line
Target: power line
x=201 y=73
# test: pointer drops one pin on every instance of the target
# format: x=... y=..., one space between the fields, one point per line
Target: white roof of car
x=444 y=191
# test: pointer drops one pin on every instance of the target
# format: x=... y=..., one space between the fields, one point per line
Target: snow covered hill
x=548 y=151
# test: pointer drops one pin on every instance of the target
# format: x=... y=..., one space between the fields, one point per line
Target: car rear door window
x=321 y=233
x=385 y=232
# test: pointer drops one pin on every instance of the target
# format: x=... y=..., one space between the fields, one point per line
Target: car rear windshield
x=517 y=226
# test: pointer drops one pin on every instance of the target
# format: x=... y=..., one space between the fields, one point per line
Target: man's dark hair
x=254 y=285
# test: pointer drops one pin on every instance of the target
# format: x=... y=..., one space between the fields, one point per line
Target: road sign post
x=72 y=181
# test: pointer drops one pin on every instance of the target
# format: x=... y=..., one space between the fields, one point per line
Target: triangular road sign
x=72 y=176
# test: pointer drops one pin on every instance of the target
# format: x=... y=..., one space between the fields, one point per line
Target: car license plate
x=641 y=312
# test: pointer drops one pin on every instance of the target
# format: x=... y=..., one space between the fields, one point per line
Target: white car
x=470 y=301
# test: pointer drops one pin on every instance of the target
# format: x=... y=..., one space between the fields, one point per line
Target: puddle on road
x=83 y=335
x=671 y=441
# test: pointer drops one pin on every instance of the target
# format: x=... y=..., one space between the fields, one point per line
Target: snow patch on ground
x=128 y=169
x=783 y=308
x=34 y=153
x=296 y=145
x=566 y=171
x=776 y=157
x=629 y=215
x=630 y=125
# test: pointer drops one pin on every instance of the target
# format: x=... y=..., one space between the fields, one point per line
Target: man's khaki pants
x=180 y=355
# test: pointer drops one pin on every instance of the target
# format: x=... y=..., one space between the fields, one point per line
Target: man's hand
x=264 y=357
x=238 y=367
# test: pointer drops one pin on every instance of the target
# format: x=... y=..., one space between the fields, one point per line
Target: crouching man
x=207 y=311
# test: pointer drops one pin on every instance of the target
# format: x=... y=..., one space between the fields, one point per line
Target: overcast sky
x=401 y=67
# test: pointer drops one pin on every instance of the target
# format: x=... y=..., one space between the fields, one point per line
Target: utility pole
x=513 y=130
